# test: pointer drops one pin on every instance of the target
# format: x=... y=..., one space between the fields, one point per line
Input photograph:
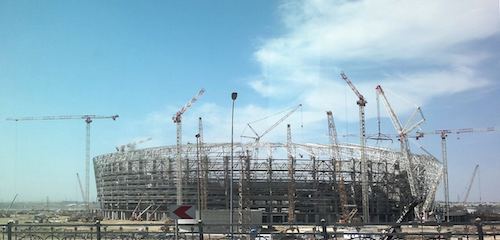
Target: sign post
x=181 y=212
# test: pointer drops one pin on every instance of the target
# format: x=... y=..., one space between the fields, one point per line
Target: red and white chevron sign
x=183 y=212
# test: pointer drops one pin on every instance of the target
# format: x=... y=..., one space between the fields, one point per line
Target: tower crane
x=362 y=142
x=177 y=118
x=443 y=133
x=88 y=119
x=259 y=136
x=291 y=176
x=204 y=166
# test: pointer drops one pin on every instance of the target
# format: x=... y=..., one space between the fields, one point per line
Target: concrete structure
x=142 y=183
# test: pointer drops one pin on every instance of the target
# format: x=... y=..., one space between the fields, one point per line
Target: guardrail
x=100 y=231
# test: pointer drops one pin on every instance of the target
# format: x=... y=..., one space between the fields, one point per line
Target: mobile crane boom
x=403 y=138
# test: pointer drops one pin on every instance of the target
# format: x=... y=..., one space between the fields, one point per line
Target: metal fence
x=200 y=231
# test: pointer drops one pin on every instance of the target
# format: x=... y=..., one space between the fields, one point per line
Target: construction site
x=288 y=182
x=267 y=189
x=249 y=120
x=313 y=186
x=285 y=182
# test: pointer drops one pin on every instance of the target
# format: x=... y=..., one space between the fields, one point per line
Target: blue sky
x=144 y=59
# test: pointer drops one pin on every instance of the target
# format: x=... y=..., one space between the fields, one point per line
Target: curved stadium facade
x=304 y=180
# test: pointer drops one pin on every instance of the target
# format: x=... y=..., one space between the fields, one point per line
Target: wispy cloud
x=385 y=29
x=418 y=50
x=216 y=124
x=435 y=38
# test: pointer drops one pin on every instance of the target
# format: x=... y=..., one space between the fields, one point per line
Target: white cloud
x=443 y=82
x=321 y=36
x=216 y=124
x=303 y=64
x=382 y=29
x=263 y=88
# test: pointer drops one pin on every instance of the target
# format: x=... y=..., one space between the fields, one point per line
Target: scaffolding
x=145 y=180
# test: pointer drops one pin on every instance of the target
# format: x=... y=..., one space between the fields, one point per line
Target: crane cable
x=276 y=114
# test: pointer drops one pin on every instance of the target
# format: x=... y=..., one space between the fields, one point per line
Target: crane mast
x=337 y=162
x=88 y=119
x=444 y=156
x=87 y=161
x=177 y=118
x=443 y=133
x=362 y=142
x=291 y=176
x=204 y=167
x=332 y=134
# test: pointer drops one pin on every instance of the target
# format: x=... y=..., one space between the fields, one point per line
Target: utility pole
x=234 y=95
x=198 y=174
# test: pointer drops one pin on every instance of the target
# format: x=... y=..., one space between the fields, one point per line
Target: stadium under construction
x=289 y=183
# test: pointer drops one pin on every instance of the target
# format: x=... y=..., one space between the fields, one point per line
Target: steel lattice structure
x=142 y=183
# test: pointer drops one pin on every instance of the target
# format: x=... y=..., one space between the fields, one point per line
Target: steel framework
x=145 y=179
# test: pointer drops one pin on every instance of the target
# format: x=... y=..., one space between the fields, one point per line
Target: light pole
x=234 y=95
x=198 y=174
